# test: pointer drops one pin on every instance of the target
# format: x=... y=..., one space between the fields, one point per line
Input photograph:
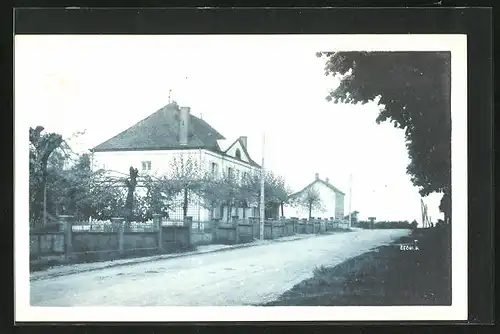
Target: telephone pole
x=262 y=183
x=350 y=200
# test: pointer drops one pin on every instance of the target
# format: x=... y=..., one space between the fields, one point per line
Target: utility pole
x=350 y=200
x=262 y=183
x=45 y=204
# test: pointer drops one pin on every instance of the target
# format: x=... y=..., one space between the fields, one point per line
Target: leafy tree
x=69 y=189
x=159 y=196
x=108 y=200
x=186 y=179
x=414 y=224
x=225 y=190
x=211 y=191
x=86 y=193
x=276 y=191
x=141 y=210
x=372 y=221
x=251 y=186
x=231 y=193
x=42 y=145
x=83 y=179
x=311 y=200
x=414 y=91
x=354 y=217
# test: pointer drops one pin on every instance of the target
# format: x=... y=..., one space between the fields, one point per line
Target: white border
x=457 y=44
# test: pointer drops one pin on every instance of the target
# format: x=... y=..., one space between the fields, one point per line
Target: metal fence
x=107 y=226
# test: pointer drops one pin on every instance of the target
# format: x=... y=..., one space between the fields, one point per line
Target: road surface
x=245 y=276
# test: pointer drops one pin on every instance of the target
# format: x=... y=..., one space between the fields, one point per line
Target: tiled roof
x=160 y=131
x=335 y=189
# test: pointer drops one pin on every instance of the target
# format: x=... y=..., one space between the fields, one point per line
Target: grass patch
x=386 y=276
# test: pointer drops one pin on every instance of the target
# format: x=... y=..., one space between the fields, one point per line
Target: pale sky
x=242 y=87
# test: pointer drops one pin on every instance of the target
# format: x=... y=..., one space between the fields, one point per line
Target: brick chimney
x=184 y=117
x=316 y=176
x=244 y=139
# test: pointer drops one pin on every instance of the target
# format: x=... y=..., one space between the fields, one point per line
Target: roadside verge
x=402 y=273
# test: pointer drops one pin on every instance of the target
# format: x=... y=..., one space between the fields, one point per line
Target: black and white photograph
x=282 y=177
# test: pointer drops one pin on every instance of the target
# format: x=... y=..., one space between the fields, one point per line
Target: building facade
x=170 y=138
x=330 y=203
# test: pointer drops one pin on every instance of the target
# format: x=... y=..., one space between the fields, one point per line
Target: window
x=237 y=175
x=229 y=172
x=146 y=165
x=214 y=169
x=245 y=176
x=238 y=154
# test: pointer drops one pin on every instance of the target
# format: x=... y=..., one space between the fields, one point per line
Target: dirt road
x=246 y=276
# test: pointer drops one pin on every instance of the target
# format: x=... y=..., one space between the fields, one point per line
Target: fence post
x=236 y=229
x=157 y=219
x=66 y=226
x=215 y=224
x=188 y=222
x=255 y=228
x=117 y=223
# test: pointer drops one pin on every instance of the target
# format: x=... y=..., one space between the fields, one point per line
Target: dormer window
x=238 y=154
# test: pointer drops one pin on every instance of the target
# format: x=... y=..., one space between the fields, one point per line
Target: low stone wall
x=140 y=240
x=67 y=245
x=201 y=238
x=247 y=230
x=94 y=241
x=176 y=237
x=48 y=245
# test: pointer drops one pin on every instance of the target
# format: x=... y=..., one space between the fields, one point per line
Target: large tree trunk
x=282 y=211
x=129 y=209
x=310 y=211
x=445 y=207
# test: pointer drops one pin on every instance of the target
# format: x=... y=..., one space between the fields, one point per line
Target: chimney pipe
x=184 y=125
x=327 y=179
x=244 y=139
x=316 y=176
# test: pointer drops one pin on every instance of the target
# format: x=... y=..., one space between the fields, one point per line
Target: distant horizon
x=104 y=85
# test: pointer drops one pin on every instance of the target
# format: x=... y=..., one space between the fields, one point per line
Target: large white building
x=171 y=133
x=330 y=201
